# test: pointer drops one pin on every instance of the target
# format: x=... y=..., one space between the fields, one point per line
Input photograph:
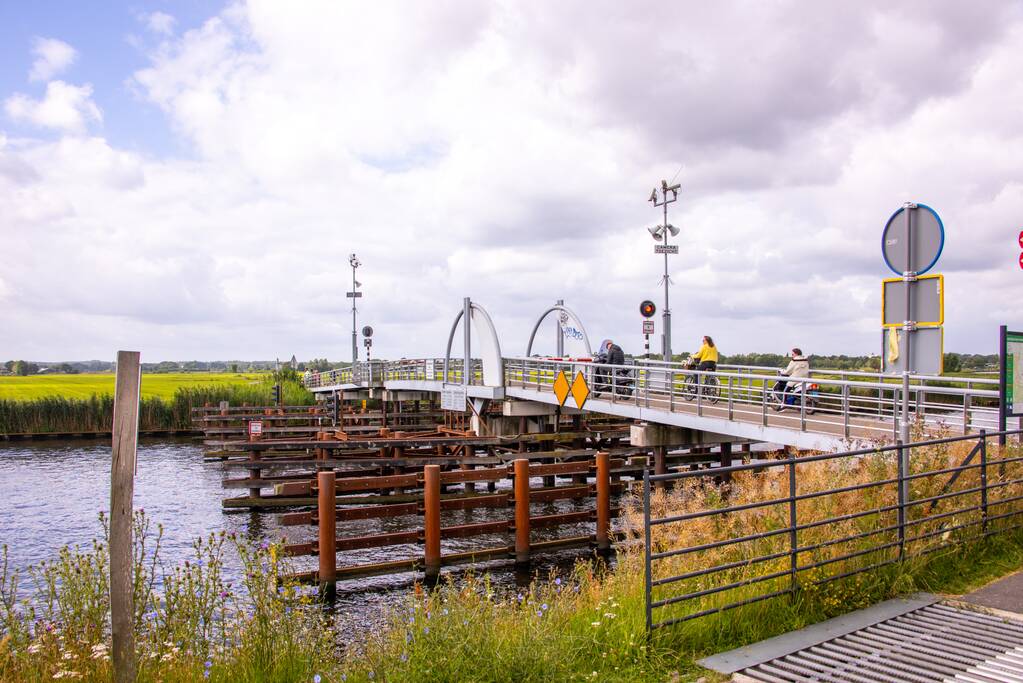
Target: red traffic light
x=647 y=309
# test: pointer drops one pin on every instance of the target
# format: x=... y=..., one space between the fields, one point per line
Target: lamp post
x=353 y=260
x=660 y=233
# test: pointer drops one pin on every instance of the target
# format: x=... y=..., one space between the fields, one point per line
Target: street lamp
x=353 y=260
x=660 y=233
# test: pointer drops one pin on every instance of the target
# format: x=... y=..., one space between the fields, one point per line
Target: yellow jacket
x=707 y=353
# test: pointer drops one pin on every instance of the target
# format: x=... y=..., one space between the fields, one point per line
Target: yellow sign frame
x=941 y=301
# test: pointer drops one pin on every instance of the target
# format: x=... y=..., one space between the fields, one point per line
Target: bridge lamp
x=354 y=262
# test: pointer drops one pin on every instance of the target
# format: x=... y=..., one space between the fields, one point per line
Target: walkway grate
x=939 y=642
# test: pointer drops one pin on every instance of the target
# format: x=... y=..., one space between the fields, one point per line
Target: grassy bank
x=95 y=413
x=84 y=386
x=586 y=625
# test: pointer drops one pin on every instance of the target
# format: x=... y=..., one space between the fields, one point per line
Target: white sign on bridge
x=453 y=397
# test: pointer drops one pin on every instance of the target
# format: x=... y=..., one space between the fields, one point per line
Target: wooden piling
x=326 y=512
x=521 y=511
x=660 y=463
x=431 y=520
x=603 y=502
x=122 y=489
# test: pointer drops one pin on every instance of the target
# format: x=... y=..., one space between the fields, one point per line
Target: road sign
x=453 y=397
x=367 y=331
x=561 y=387
x=367 y=342
x=353 y=295
x=926 y=301
x=648 y=327
x=1012 y=378
x=580 y=390
x=1021 y=239
x=255 y=428
x=647 y=309
x=665 y=248
x=917 y=250
x=926 y=350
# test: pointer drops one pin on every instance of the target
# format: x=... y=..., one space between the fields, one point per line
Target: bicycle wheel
x=711 y=389
x=689 y=388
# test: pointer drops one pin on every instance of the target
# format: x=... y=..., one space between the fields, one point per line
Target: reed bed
x=95 y=414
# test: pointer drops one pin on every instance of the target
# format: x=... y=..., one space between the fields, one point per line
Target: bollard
x=603 y=502
x=327 y=521
x=431 y=521
x=521 y=511
x=256 y=474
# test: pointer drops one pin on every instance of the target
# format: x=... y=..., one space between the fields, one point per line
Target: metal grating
x=935 y=643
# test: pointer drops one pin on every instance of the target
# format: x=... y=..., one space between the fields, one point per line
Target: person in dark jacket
x=615 y=355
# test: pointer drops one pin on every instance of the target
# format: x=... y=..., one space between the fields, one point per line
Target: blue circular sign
x=913 y=239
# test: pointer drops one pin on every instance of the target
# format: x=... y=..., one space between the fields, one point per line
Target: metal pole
x=907 y=328
x=355 y=338
x=559 y=334
x=983 y=479
x=666 y=315
x=647 y=550
x=1003 y=410
x=467 y=332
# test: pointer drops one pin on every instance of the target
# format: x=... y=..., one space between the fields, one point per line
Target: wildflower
x=557 y=581
x=208 y=664
x=539 y=613
x=206 y=673
x=316 y=678
x=34 y=648
x=594 y=624
x=543 y=606
x=371 y=674
x=426 y=629
x=445 y=611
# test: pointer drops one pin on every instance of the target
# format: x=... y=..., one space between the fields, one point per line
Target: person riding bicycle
x=707 y=356
x=799 y=366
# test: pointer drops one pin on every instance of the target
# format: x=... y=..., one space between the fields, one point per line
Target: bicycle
x=694 y=383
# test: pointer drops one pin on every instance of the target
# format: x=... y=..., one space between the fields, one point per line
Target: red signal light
x=647 y=309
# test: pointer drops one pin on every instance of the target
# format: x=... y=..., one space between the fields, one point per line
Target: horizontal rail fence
x=331 y=512
x=781 y=527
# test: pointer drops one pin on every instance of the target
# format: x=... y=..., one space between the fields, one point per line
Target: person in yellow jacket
x=707 y=356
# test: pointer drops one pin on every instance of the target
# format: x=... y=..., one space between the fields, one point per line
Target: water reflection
x=54 y=492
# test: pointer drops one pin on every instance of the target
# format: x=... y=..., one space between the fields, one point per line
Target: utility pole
x=353 y=260
x=659 y=233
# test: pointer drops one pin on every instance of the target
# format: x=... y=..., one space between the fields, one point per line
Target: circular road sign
x=367 y=331
x=928 y=239
x=1021 y=239
x=647 y=309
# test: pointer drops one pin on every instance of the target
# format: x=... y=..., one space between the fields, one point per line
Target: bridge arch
x=575 y=335
x=489 y=345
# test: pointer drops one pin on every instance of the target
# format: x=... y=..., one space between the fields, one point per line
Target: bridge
x=673 y=403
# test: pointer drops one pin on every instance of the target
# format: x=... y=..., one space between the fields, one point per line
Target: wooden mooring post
x=122 y=490
x=431 y=521
x=326 y=512
x=603 y=532
x=521 y=511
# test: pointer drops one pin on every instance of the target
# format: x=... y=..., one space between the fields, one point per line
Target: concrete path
x=1006 y=594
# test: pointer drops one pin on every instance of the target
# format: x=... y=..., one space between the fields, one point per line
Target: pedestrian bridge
x=852 y=408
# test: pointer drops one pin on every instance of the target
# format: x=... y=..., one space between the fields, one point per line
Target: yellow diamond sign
x=561 y=387
x=580 y=390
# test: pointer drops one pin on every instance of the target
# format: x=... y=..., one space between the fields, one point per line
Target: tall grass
x=585 y=625
x=95 y=414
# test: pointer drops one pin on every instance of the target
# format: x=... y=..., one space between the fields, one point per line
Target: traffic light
x=647 y=309
x=277 y=394
x=331 y=406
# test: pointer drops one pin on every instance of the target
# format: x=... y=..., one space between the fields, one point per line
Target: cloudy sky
x=189 y=180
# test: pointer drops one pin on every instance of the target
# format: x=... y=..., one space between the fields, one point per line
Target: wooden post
x=326 y=514
x=603 y=502
x=431 y=521
x=726 y=460
x=521 y=511
x=660 y=464
x=122 y=489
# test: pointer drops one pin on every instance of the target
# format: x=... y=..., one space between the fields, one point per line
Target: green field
x=85 y=385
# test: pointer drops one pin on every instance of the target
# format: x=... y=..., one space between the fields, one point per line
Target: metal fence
x=783 y=526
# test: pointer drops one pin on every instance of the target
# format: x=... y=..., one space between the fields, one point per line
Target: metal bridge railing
x=785 y=526
x=842 y=407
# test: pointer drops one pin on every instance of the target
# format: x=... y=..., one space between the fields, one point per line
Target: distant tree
x=9 y=366
x=953 y=362
x=66 y=369
x=234 y=367
x=20 y=367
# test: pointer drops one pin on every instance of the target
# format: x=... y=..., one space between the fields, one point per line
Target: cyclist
x=707 y=356
x=799 y=366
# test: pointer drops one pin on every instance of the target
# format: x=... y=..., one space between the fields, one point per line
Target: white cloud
x=160 y=23
x=65 y=107
x=506 y=152
x=52 y=56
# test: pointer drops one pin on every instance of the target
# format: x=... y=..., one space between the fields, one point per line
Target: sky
x=188 y=179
